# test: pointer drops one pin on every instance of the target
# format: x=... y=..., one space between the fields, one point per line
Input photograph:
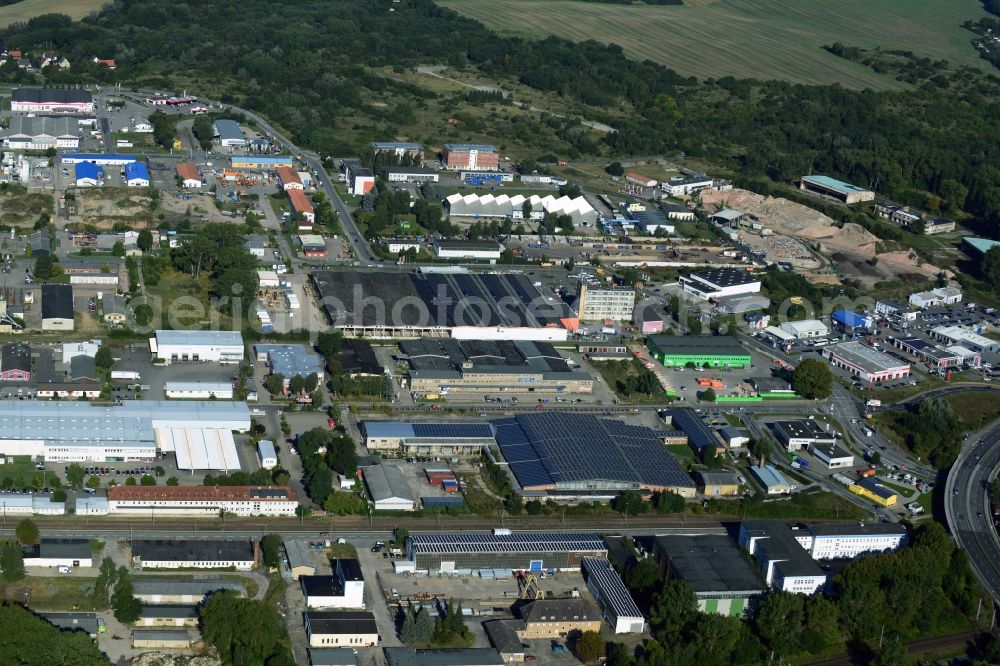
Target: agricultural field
x=26 y=9
x=780 y=39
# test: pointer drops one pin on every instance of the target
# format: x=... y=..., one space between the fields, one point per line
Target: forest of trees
x=932 y=144
x=921 y=590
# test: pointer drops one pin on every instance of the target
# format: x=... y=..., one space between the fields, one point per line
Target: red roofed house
x=188 y=173
x=301 y=205
x=639 y=179
x=288 y=179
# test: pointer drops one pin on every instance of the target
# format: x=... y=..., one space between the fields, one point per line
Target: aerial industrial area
x=431 y=407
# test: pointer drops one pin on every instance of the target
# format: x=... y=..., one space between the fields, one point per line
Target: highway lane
x=967 y=506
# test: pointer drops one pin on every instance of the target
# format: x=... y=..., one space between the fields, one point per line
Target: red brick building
x=475 y=156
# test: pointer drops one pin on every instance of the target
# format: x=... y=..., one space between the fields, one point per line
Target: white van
x=64 y=569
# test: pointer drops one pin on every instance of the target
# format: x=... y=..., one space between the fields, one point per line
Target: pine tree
x=407 y=633
x=457 y=621
x=424 y=627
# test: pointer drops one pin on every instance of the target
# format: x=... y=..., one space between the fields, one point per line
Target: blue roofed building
x=421 y=438
x=291 y=360
x=136 y=174
x=258 y=163
x=579 y=455
x=852 y=320
x=774 y=482
x=88 y=174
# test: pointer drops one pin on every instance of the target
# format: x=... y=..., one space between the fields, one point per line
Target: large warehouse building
x=720 y=351
x=43 y=132
x=512 y=207
x=441 y=302
x=835 y=189
x=438 y=438
x=51 y=100
x=720 y=282
x=202 y=500
x=866 y=363
x=712 y=564
x=229 y=133
x=195 y=346
x=480 y=157
x=198 y=433
x=460 y=552
x=501 y=368
x=468 y=249
x=582 y=456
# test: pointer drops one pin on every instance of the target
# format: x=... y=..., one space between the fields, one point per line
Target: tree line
x=920 y=590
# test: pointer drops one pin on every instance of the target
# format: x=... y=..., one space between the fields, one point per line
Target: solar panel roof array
x=558 y=448
x=526 y=542
x=600 y=572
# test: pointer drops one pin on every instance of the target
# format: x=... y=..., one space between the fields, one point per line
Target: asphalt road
x=967 y=506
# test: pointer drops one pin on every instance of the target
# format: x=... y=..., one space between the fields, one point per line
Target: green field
x=749 y=38
x=26 y=9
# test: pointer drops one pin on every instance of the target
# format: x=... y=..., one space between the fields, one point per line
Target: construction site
x=813 y=242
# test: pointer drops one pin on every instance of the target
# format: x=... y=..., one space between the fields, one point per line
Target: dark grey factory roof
x=228 y=129
x=341 y=622
x=386 y=482
x=185 y=611
x=183 y=586
x=699 y=434
x=480 y=299
x=15 y=356
x=721 y=478
x=393 y=145
x=801 y=428
x=57 y=301
x=558 y=610
x=710 y=563
x=348 y=568
x=403 y=656
x=73 y=621
x=76 y=549
x=332 y=657
x=555 y=447
x=299 y=554
x=503 y=635
x=61 y=95
x=706 y=345
x=449 y=354
x=215 y=550
x=410 y=170
x=780 y=544
x=160 y=635
x=481 y=147
x=356 y=357
x=726 y=277
x=82 y=366
x=321 y=586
